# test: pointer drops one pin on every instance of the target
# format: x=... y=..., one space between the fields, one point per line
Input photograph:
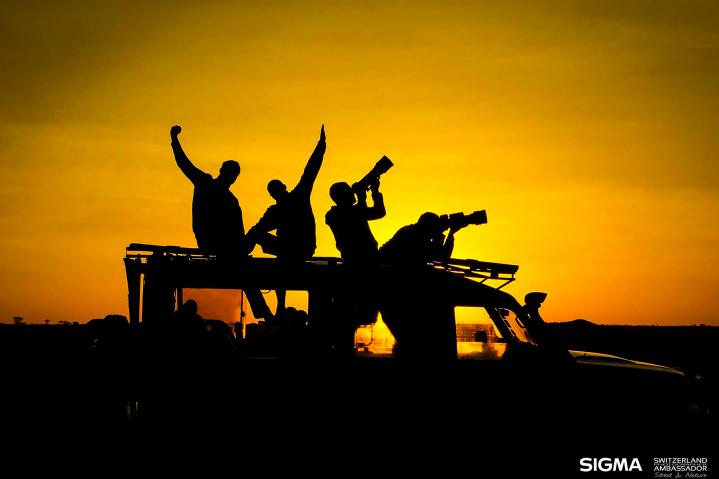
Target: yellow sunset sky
x=586 y=129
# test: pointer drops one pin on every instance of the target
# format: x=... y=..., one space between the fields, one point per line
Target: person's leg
x=269 y=243
x=259 y=307
x=281 y=296
x=287 y=262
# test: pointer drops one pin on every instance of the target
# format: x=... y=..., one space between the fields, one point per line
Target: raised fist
x=175 y=130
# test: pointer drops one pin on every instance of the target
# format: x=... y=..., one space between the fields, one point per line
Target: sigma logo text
x=609 y=464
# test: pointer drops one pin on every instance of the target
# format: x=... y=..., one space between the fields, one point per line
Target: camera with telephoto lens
x=460 y=220
x=382 y=166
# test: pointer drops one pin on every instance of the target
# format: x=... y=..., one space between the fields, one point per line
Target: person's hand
x=359 y=191
x=175 y=130
x=374 y=185
x=454 y=229
x=322 y=134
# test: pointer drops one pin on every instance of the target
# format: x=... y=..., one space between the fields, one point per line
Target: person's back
x=296 y=225
x=408 y=245
x=216 y=217
x=418 y=243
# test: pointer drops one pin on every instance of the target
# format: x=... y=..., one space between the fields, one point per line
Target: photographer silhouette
x=349 y=220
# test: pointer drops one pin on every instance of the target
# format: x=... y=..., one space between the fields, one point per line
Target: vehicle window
x=516 y=325
x=374 y=339
x=222 y=304
x=229 y=305
x=477 y=336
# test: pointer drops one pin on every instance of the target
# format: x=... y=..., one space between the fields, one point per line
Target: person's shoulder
x=331 y=215
x=299 y=193
x=272 y=211
x=404 y=235
x=406 y=229
x=203 y=179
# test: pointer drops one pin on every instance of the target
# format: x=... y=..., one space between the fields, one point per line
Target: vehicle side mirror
x=535 y=299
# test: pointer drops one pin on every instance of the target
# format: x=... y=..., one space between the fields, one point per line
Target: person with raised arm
x=291 y=217
x=217 y=216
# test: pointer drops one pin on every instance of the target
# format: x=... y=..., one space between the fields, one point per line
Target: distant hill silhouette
x=691 y=347
x=578 y=323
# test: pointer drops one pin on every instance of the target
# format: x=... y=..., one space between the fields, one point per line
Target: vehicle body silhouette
x=505 y=362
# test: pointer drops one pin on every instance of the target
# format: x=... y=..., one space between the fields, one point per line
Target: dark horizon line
x=571 y=322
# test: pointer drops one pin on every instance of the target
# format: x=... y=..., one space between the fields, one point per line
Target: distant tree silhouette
x=18 y=319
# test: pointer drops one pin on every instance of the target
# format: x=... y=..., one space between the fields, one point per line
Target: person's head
x=276 y=189
x=430 y=223
x=342 y=194
x=229 y=171
x=190 y=307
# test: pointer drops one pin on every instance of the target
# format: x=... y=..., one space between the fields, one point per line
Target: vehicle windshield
x=514 y=322
x=483 y=332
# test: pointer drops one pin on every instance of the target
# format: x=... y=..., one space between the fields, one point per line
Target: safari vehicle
x=457 y=336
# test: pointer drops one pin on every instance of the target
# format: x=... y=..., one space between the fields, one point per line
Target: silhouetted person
x=409 y=311
x=217 y=216
x=188 y=318
x=420 y=242
x=187 y=329
x=349 y=221
x=216 y=213
x=292 y=218
x=291 y=215
x=220 y=341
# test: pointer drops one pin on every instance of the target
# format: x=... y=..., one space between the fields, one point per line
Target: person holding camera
x=420 y=242
x=424 y=241
x=349 y=220
x=407 y=279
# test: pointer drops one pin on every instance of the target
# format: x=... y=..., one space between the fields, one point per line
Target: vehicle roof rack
x=482 y=270
x=136 y=249
x=175 y=267
x=469 y=268
x=143 y=251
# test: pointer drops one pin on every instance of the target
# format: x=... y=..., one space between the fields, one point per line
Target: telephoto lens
x=460 y=220
x=477 y=218
x=380 y=168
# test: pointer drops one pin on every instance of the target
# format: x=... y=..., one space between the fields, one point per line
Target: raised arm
x=312 y=169
x=448 y=245
x=267 y=223
x=193 y=173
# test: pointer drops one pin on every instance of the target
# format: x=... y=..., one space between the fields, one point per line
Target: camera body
x=461 y=220
x=381 y=167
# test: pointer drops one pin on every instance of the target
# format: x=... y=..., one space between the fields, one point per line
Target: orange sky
x=587 y=130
